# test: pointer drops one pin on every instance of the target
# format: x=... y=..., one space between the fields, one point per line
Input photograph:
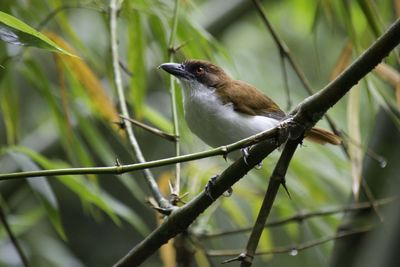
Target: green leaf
x=9 y=109
x=22 y=223
x=371 y=15
x=14 y=31
x=88 y=191
x=42 y=190
x=136 y=60
x=157 y=119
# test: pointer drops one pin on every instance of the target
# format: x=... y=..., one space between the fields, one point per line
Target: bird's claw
x=210 y=185
x=258 y=166
x=245 y=152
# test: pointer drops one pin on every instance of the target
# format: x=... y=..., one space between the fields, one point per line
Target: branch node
x=163 y=211
x=242 y=257
x=224 y=150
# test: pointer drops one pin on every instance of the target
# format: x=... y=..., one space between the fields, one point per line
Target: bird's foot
x=245 y=153
x=290 y=129
x=210 y=185
x=258 y=166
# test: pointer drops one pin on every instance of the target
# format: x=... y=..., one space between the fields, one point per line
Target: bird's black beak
x=178 y=70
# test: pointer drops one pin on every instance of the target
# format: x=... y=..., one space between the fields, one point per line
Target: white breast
x=217 y=124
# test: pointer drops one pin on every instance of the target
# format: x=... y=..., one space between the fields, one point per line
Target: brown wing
x=248 y=100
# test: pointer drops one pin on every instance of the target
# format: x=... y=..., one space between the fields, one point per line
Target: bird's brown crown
x=206 y=72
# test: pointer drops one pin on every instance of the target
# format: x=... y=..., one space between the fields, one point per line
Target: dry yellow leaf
x=391 y=76
x=355 y=152
x=97 y=93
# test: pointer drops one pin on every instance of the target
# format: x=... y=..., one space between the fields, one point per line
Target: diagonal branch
x=277 y=178
x=307 y=113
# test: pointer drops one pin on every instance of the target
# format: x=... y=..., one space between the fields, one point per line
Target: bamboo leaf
x=22 y=223
x=157 y=119
x=88 y=192
x=392 y=76
x=371 y=15
x=9 y=109
x=136 y=60
x=96 y=92
x=356 y=154
x=14 y=31
x=42 y=190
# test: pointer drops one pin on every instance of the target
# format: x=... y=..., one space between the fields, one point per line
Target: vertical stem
x=277 y=178
x=114 y=7
x=176 y=183
x=13 y=239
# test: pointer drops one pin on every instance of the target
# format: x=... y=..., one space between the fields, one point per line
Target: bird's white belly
x=217 y=124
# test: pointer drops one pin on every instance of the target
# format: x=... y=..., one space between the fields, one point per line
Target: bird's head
x=197 y=72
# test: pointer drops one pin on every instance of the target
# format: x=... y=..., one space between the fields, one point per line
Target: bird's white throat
x=216 y=123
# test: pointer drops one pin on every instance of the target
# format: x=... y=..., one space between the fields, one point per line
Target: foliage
x=59 y=111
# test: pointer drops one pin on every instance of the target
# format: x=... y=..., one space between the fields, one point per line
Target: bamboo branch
x=114 y=8
x=120 y=169
x=150 y=129
x=175 y=188
x=277 y=178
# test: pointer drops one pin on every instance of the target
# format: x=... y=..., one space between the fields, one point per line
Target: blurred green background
x=58 y=112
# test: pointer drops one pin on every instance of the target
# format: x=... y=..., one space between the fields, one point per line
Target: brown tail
x=321 y=136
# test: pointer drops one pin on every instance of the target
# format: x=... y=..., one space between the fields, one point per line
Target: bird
x=221 y=110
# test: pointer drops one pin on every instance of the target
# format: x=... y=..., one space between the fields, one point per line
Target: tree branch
x=120 y=169
x=307 y=113
x=277 y=178
x=177 y=183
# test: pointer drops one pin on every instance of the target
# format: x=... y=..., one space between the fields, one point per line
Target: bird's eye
x=199 y=70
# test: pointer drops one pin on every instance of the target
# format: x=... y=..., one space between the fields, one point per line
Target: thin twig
x=12 y=237
x=300 y=217
x=114 y=8
x=285 y=81
x=293 y=250
x=150 y=129
x=125 y=68
x=177 y=183
x=368 y=151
